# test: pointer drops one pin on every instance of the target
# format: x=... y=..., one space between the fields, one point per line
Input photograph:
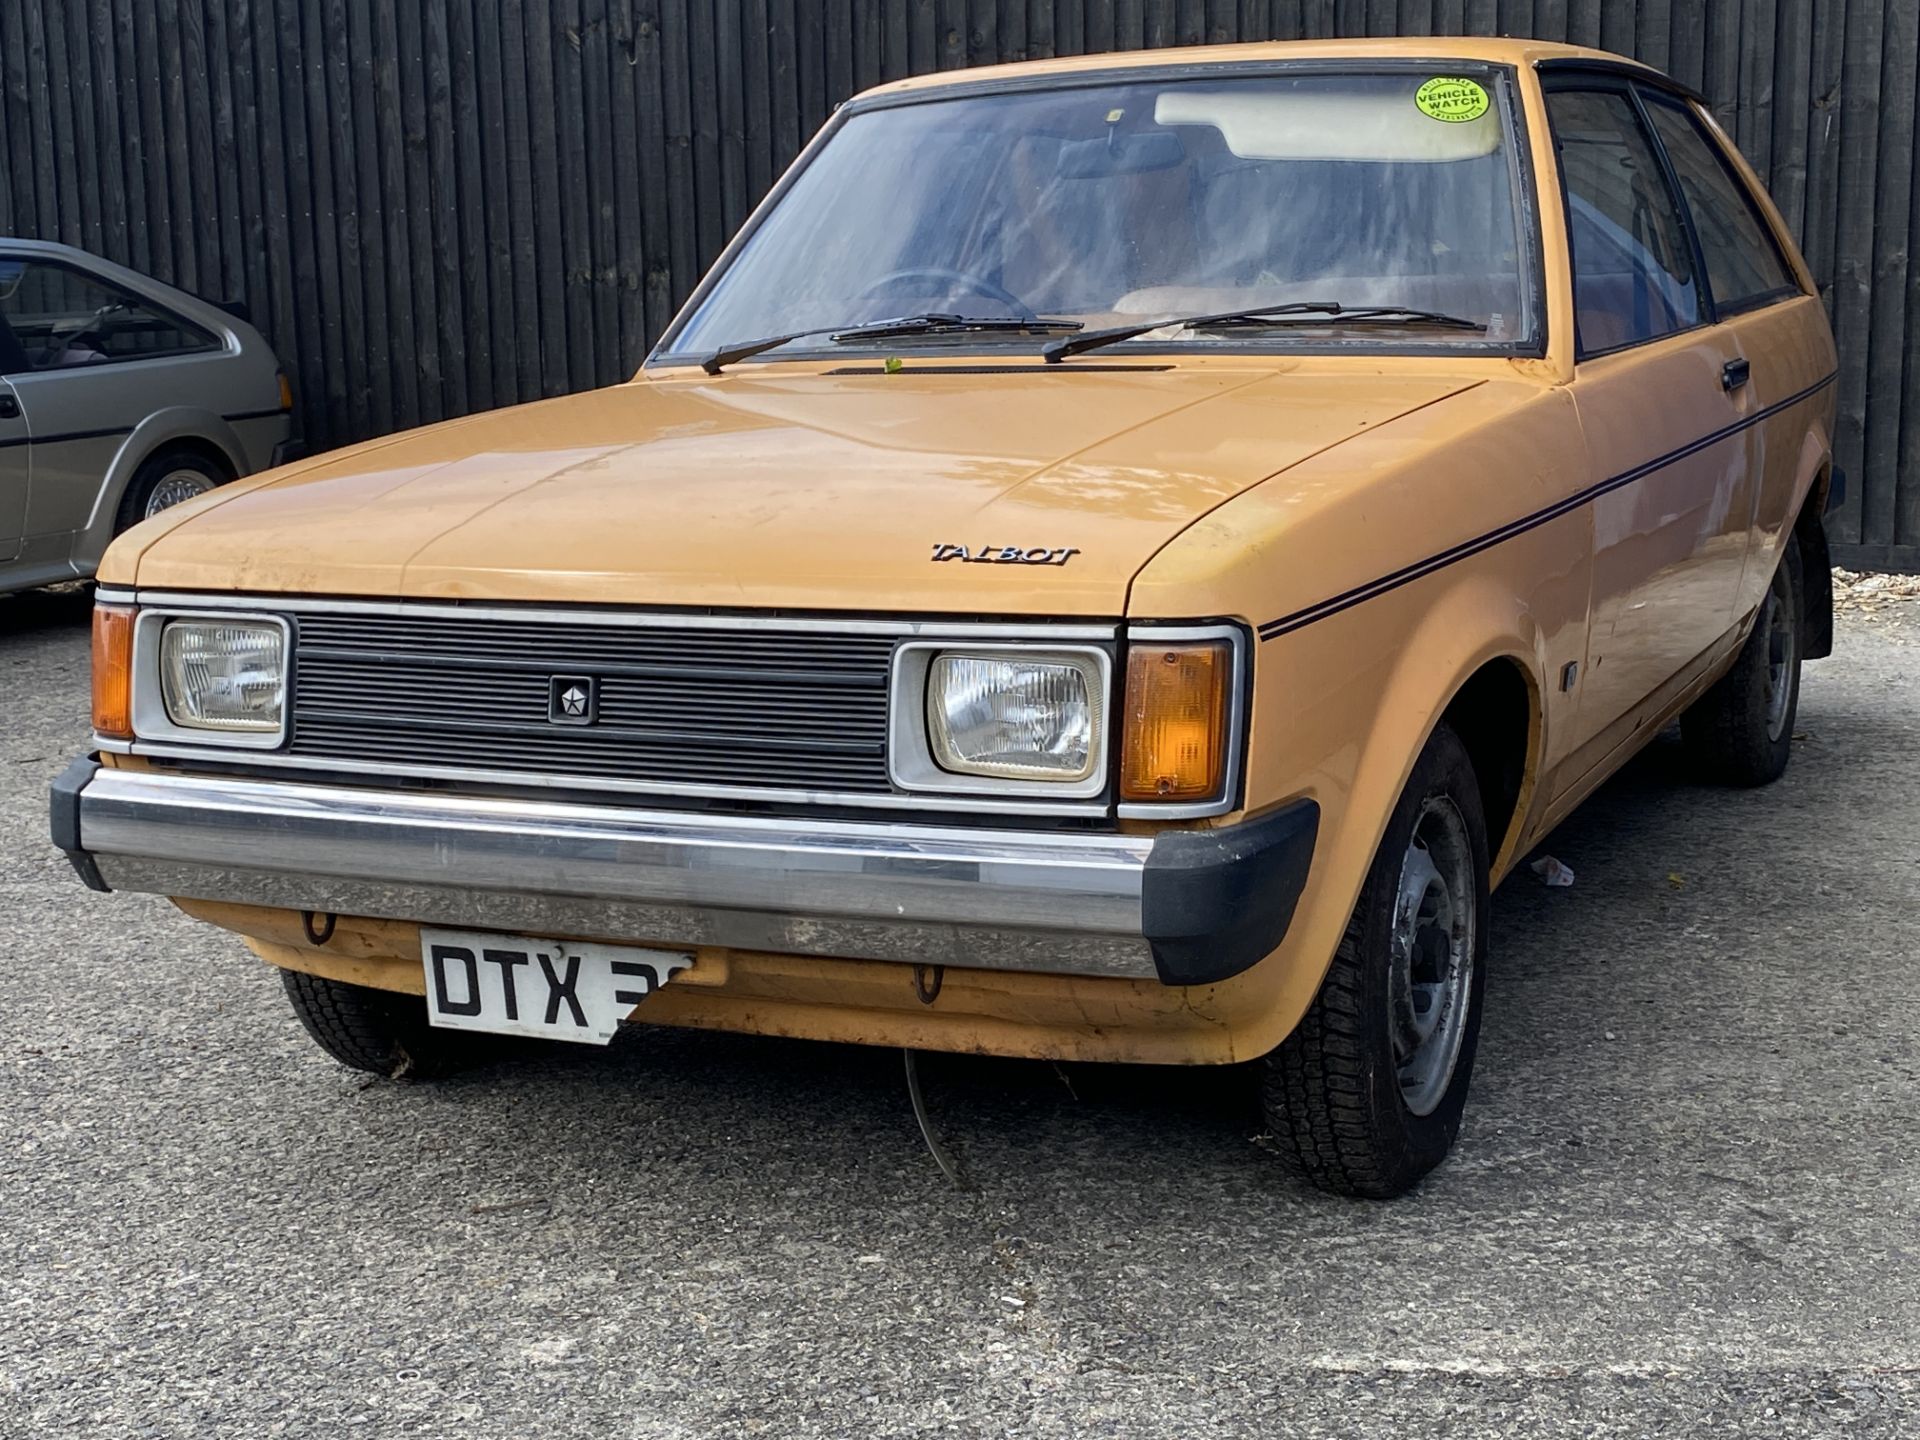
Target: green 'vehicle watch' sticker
x=1451 y=99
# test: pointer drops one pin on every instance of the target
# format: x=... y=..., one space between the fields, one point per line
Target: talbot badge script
x=1006 y=554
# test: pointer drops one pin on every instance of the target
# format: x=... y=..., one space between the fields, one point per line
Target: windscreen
x=1117 y=203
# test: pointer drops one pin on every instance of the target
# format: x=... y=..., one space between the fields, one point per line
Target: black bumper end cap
x=1216 y=902
x=63 y=810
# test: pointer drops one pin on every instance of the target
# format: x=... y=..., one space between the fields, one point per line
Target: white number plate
x=555 y=989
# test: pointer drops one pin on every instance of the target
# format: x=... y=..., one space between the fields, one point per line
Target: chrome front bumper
x=1183 y=906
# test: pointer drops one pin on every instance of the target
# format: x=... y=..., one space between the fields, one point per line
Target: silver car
x=119 y=396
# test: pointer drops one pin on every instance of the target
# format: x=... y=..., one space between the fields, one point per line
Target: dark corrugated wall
x=439 y=206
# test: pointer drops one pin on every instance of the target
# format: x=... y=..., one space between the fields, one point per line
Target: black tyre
x=1365 y=1096
x=165 y=479
x=380 y=1031
x=1741 y=731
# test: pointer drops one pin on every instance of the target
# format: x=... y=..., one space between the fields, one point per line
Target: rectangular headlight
x=1014 y=717
x=227 y=675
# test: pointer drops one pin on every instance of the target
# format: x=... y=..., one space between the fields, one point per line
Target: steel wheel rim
x=1783 y=643
x=1430 y=964
x=174 y=487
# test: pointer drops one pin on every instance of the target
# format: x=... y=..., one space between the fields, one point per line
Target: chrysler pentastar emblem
x=1006 y=554
x=573 y=700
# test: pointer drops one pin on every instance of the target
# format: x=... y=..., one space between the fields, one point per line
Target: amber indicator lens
x=113 y=671
x=1176 y=721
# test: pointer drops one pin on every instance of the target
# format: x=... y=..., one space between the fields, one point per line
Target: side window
x=1633 y=267
x=1744 y=265
x=63 y=318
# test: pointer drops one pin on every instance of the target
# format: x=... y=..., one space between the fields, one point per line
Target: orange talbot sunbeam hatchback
x=1113 y=563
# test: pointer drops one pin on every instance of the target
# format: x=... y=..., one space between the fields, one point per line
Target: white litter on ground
x=1552 y=872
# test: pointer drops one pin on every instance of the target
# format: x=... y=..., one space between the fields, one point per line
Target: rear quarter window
x=1744 y=265
x=65 y=319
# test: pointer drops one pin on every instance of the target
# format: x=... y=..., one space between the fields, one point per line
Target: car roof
x=96 y=264
x=1437 y=48
x=52 y=248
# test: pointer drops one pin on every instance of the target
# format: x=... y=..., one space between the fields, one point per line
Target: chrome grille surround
x=759 y=707
x=744 y=707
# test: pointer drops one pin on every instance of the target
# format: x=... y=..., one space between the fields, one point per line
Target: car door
x=1773 y=325
x=1651 y=389
x=15 y=451
x=15 y=460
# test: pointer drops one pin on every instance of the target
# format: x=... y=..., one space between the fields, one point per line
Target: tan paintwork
x=1248 y=487
x=1000 y=1012
x=783 y=486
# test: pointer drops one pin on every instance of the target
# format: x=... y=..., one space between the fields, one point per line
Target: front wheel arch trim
x=175 y=425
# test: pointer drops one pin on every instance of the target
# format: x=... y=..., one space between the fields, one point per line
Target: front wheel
x=1366 y=1095
x=380 y=1031
x=169 y=478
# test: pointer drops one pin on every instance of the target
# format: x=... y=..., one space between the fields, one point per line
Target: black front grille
x=749 y=707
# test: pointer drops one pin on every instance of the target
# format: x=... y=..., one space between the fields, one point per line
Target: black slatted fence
x=439 y=206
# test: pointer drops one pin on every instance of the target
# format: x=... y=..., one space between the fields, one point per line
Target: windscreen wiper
x=1392 y=314
x=930 y=324
x=1249 y=319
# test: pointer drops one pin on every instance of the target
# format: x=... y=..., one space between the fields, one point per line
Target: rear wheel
x=1741 y=731
x=166 y=479
x=380 y=1031
x=1366 y=1095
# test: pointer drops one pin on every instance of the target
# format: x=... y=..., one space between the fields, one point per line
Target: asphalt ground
x=1687 y=1201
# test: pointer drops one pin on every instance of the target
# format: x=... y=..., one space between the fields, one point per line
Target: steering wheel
x=972 y=284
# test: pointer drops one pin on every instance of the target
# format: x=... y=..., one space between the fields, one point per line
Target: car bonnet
x=1024 y=491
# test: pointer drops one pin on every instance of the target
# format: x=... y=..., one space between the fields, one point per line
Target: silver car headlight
x=1020 y=721
x=224 y=674
x=1014 y=717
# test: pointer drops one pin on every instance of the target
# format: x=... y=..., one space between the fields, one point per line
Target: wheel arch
x=198 y=445
x=176 y=426
x=1496 y=712
x=1816 y=568
x=1474 y=659
x=1467 y=650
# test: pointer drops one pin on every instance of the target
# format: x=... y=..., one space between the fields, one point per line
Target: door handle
x=9 y=408
x=1734 y=374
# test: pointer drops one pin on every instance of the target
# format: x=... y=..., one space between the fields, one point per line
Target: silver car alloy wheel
x=174 y=487
x=1777 y=621
x=1430 y=974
